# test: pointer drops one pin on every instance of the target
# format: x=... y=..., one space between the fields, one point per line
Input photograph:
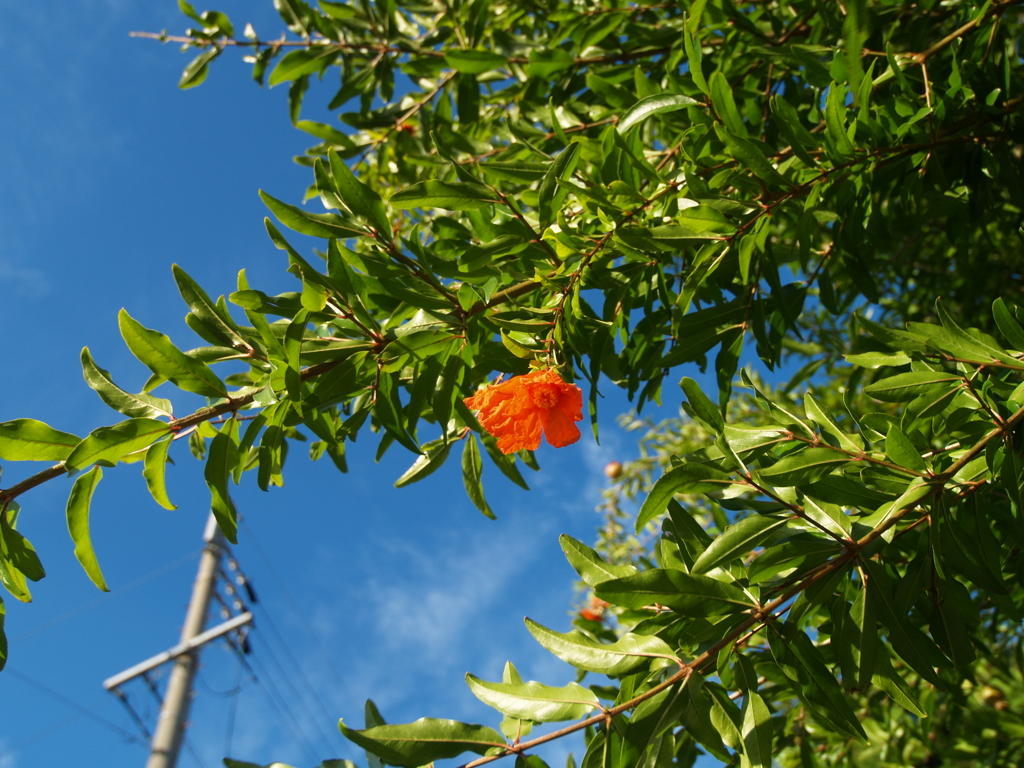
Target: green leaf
x=31 y=440
x=325 y=225
x=78 y=524
x=756 y=728
x=19 y=551
x=902 y=452
x=798 y=136
x=654 y=105
x=550 y=194
x=197 y=69
x=544 y=64
x=426 y=464
x=154 y=471
x=158 y=354
x=589 y=565
x=305 y=61
x=220 y=460
x=835 y=120
x=804 y=466
x=725 y=104
x=690 y=595
x=583 y=652
x=444 y=194
x=904 y=387
x=424 y=741
x=878 y=359
x=140 y=405
x=701 y=407
x=913 y=646
x=111 y=444
x=1008 y=325
x=535 y=701
x=359 y=198
x=736 y=540
x=890 y=681
x=472 y=470
x=748 y=153
x=688 y=478
x=823 y=419
x=206 y=310
x=474 y=62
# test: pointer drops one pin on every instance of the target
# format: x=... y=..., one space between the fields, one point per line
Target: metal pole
x=170 y=727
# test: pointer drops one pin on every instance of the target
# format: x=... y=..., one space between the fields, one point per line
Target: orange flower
x=519 y=410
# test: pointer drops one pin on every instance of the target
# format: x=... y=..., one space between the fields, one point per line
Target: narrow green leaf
x=1008 y=325
x=549 y=194
x=535 y=701
x=736 y=540
x=220 y=460
x=756 y=728
x=748 y=153
x=895 y=687
x=197 y=69
x=305 y=61
x=904 y=387
x=154 y=471
x=654 y=105
x=158 y=354
x=474 y=62
x=206 y=310
x=688 y=478
x=690 y=595
x=701 y=406
x=31 y=440
x=444 y=194
x=583 y=652
x=426 y=464
x=835 y=120
x=590 y=565
x=913 y=646
x=424 y=741
x=804 y=466
x=798 y=136
x=111 y=444
x=823 y=419
x=725 y=104
x=472 y=469
x=140 y=405
x=902 y=452
x=325 y=225
x=360 y=199
x=78 y=524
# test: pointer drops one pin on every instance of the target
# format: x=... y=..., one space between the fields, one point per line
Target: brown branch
x=176 y=425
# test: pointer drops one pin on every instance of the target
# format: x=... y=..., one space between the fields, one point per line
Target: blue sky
x=108 y=175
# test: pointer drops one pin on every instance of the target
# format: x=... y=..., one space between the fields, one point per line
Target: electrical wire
x=231 y=712
x=74 y=705
x=282 y=710
x=106 y=596
x=297 y=696
x=301 y=616
x=11 y=750
x=327 y=717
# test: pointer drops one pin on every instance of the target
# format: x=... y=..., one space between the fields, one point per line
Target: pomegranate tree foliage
x=827 y=570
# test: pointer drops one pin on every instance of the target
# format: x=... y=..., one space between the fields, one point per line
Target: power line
x=281 y=709
x=296 y=695
x=300 y=615
x=74 y=705
x=96 y=601
x=302 y=675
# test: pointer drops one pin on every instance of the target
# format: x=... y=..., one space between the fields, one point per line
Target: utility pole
x=170 y=727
